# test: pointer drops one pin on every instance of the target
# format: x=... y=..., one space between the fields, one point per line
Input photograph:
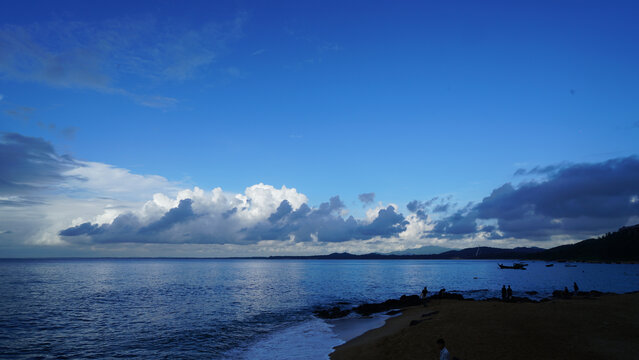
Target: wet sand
x=605 y=327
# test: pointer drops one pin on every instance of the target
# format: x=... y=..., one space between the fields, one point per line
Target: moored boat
x=515 y=266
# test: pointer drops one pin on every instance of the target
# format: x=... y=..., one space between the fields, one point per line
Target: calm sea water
x=218 y=309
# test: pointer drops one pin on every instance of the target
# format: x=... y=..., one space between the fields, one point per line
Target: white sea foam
x=312 y=339
x=351 y=327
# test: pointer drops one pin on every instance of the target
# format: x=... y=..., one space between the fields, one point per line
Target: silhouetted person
x=574 y=285
x=443 y=352
x=504 y=293
x=510 y=293
x=566 y=292
x=442 y=292
x=424 y=293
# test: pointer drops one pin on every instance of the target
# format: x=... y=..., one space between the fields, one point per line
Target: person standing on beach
x=423 y=296
x=443 y=352
x=510 y=293
x=574 y=285
x=503 y=292
x=424 y=293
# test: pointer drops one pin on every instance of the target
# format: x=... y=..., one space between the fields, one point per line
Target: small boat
x=516 y=266
x=550 y=265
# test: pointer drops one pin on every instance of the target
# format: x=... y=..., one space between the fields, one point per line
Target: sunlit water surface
x=187 y=308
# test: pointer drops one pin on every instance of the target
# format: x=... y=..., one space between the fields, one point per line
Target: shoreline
x=602 y=326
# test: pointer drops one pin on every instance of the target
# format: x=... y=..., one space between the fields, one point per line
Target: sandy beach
x=605 y=327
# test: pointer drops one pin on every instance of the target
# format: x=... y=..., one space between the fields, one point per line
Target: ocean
x=237 y=309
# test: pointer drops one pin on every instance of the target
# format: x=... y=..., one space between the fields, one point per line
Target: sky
x=251 y=128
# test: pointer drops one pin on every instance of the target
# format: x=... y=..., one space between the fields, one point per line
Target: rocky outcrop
x=332 y=313
x=391 y=306
x=402 y=302
x=447 y=296
x=563 y=294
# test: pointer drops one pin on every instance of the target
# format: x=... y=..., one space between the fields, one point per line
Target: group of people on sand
x=424 y=293
x=574 y=286
x=506 y=293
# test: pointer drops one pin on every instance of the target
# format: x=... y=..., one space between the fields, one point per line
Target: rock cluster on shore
x=562 y=294
x=413 y=300
x=332 y=313
x=391 y=304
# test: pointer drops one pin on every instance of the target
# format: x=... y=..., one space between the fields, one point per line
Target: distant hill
x=470 y=253
x=621 y=245
x=424 y=250
x=484 y=252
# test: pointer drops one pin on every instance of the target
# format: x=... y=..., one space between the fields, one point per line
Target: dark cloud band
x=572 y=200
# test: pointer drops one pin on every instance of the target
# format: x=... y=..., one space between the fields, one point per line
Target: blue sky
x=407 y=101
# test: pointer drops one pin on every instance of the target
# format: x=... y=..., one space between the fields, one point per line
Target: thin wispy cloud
x=318 y=48
x=23 y=113
x=110 y=56
x=26 y=114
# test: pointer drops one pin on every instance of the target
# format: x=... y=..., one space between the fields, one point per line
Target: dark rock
x=333 y=313
x=447 y=296
x=415 y=322
x=404 y=301
x=561 y=294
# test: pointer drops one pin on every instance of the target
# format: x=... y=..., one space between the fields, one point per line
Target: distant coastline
x=621 y=246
